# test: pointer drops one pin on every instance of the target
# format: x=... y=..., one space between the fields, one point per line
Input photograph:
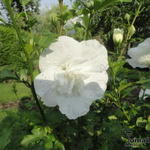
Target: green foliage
x=53 y=20
x=103 y=4
x=15 y=121
x=8 y=94
x=9 y=47
x=114 y=121
x=5 y=137
x=6 y=74
x=44 y=136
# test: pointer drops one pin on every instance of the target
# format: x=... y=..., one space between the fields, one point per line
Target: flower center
x=66 y=67
x=69 y=82
x=145 y=60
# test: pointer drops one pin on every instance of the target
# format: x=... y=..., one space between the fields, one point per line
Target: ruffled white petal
x=61 y=51
x=96 y=56
x=71 y=22
x=95 y=85
x=134 y=63
x=140 y=55
x=44 y=85
x=94 y=88
x=92 y=55
x=73 y=106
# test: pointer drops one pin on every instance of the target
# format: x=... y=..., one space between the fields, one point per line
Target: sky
x=46 y=4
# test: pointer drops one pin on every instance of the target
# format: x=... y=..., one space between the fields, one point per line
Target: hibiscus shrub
x=89 y=78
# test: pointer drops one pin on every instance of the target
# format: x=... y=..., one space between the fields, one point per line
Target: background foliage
x=114 y=121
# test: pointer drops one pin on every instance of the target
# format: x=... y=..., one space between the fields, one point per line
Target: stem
x=123 y=51
x=37 y=102
x=61 y=21
x=24 y=9
x=60 y=3
x=123 y=110
x=137 y=13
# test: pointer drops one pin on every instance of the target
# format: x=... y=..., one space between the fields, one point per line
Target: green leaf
x=103 y=4
x=7 y=2
x=44 y=40
x=148 y=119
x=140 y=122
x=5 y=137
x=37 y=133
x=23 y=74
x=2 y=20
x=48 y=145
x=125 y=0
x=86 y=21
x=147 y=127
x=113 y=117
x=25 y=2
x=124 y=85
x=58 y=146
x=28 y=49
x=7 y=74
x=28 y=139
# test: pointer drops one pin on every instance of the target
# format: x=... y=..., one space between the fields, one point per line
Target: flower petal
x=74 y=107
x=95 y=85
x=140 y=55
x=96 y=55
x=44 y=85
x=60 y=52
x=68 y=50
x=134 y=63
x=144 y=94
x=71 y=22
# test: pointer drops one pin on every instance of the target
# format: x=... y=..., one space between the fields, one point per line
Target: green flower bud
x=127 y=17
x=131 y=31
x=118 y=36
x=89 y=3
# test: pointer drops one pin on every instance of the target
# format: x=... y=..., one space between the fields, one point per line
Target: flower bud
x=131 y=30
x=89 y=3
x=118 y=36
x=127 y=17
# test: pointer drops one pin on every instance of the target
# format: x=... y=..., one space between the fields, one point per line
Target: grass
x=13 y=91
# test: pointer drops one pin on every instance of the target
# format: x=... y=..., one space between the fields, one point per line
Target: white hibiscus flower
x=71 y=22
x=140 y=55
x=144 y=93
x=73 y=75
